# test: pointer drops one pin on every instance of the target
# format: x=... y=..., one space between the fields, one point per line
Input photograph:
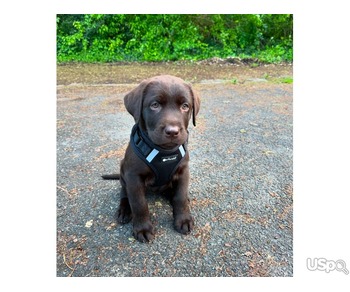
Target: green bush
x=163 y=37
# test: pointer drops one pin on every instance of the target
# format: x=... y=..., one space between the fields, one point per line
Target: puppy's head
x=163 y=106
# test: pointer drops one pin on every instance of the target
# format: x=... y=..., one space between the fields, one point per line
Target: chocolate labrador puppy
x=157 y=157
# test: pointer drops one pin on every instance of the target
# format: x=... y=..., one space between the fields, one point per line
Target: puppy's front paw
x=123 y=214
x=143 y=232
x=184 y=223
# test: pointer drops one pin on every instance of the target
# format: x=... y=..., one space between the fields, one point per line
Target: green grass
x=287 y=79
x=234 y=81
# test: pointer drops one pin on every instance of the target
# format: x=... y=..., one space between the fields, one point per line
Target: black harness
x=162 y=162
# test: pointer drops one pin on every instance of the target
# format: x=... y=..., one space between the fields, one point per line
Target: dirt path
x=241 y=175
x=195 y=73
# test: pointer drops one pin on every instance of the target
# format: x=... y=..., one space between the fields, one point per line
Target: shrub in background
x=163 y=37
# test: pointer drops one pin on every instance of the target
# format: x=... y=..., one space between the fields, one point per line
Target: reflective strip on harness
x=182 y=151
x=153 y=154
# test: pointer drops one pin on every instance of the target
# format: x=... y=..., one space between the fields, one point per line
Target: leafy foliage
x=162 y=37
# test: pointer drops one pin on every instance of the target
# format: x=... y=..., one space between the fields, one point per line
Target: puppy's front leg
x=142 y=227
x=183 y=220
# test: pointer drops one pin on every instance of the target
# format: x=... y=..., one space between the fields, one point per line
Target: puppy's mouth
x=167 y=143
x=169 y=146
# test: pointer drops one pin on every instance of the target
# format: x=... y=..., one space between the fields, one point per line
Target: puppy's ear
x=196 y=104
x=133 y=100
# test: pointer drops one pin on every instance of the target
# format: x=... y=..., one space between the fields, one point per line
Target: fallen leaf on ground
x=89 y=223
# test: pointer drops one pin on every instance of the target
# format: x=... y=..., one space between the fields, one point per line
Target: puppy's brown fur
x=162 y=106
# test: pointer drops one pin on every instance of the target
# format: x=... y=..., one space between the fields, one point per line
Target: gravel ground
x=241 y=186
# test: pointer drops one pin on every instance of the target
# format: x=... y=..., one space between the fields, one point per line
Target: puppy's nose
x=172 y=131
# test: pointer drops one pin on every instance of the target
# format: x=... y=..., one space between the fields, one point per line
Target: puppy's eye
x=185 y=106
x=154 y=105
